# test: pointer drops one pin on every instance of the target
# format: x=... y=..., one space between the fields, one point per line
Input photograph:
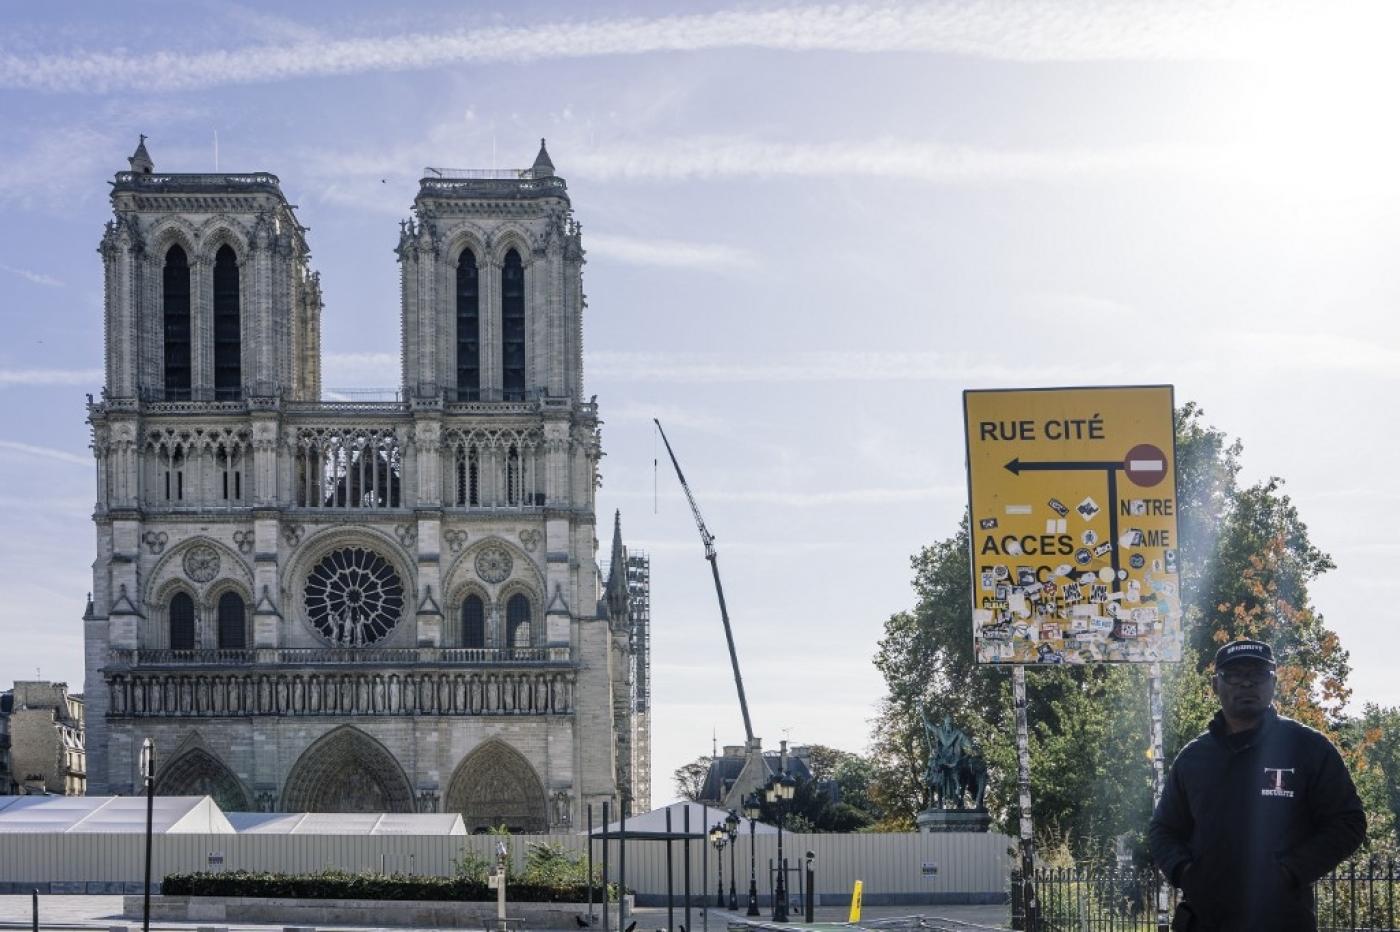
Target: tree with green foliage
x=1246 y=563
x=690 y=778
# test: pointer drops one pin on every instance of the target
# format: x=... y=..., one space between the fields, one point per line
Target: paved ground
x=101 y=912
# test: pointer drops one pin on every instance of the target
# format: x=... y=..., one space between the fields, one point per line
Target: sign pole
x=1159 y=781
x=1029 y=904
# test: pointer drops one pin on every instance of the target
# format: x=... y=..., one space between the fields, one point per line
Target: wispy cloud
x=48 y=453
x=668 y=253
x=37 y=278
x=29 y=178
x=787 y=498
x=709 y=157
x=1035 y=30
x=818 y=367
x=50 y=376
x=1319 y=350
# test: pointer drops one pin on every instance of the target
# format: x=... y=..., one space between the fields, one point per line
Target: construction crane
x=709 y=540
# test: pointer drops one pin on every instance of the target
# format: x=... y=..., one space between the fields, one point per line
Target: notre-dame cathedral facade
x=354 y=605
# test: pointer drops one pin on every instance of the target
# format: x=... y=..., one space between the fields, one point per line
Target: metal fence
x=1363 y=895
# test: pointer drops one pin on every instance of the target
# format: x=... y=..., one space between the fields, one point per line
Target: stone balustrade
x=199 y=694
x=340 y=656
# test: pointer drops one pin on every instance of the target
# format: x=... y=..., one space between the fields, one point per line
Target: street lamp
x=731 y=828
x=148 y=773
x=752 y=811
x=779 y=792
x=718 y=838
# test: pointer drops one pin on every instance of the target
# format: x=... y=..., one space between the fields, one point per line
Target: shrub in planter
x=343 y=885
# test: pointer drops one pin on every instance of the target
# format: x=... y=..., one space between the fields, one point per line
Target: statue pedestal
x=954 y=820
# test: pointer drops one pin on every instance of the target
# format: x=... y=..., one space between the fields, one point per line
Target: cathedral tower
x=350 y=605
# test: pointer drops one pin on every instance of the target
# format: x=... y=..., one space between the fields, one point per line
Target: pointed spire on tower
x=543 y=167
x=616 y=594
x=141 y=159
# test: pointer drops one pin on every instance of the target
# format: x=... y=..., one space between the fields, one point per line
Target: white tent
x=702 y=817
x=171 y=815
x=347 y=823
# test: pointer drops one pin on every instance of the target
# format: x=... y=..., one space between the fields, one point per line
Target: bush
x=342 y=885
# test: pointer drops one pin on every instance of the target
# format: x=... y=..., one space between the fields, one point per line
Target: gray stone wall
x=45 y=730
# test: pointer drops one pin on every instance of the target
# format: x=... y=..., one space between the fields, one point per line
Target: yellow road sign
x=1074 y=540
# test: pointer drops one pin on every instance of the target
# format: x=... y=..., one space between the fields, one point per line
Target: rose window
x=493 y=564
x=353 y=597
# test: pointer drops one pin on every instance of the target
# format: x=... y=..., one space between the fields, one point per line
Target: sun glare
x=1319 y=113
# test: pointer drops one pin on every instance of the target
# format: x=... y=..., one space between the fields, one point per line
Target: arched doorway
x=347 y=771
x=495 y=785
x=199 y=773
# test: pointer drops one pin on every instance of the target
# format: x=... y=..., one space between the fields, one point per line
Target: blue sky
x=808 y=229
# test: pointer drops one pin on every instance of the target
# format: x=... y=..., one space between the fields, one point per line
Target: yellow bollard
x=855 y=903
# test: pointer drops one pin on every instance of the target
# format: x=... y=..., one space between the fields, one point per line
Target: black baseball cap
x=1244 y=649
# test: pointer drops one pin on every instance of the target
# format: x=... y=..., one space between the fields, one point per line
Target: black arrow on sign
x=1111 y=470
x=1016 y=466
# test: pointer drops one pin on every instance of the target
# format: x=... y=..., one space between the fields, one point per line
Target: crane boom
x=710 y=554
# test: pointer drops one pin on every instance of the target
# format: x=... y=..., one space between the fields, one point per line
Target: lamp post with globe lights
x=718 y=838
x=752 y=812
x=148 y=774
x=779 y=792
x=731 y=829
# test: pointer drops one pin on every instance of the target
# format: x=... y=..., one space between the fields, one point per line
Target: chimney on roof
x=141 y=159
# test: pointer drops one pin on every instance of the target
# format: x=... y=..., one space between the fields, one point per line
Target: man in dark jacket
x=1255 y=810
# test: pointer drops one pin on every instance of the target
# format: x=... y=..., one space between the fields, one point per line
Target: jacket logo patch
x=1277 y=785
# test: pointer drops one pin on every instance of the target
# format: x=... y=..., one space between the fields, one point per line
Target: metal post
x=753 y=878
x=780 y=913
x=606 y=814
x=809 y=897
x=670 y=884
x=733 y=898
x=590 y=863
x=502 y=855
x=719 y=873
x=622 y=868
x=148 y=760
x=1159 y=781
x=704 y=868
x=685 y=826
x=36 y=909
x=1030 y=906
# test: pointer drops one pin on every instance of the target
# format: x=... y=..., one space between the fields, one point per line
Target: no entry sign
x=1073 y=501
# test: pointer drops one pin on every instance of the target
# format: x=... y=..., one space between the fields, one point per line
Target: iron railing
x=196 y=182
x=1362 y=895
x=479 y=174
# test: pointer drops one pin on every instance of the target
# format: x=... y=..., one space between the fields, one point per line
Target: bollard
x=811 y=880
x=36 y=909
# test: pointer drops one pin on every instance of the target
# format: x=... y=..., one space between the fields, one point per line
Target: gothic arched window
x=232 y=622
x=176 y=308
x=228 y=372
x=181 y=618
x=473 y=622
x=513 y=476
x=513 y=328
x=468 y=328
x=518 y=621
